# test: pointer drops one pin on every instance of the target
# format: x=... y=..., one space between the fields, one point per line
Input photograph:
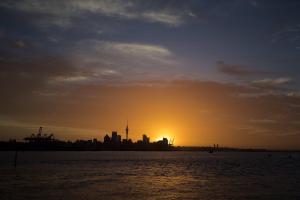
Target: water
x=149 y=175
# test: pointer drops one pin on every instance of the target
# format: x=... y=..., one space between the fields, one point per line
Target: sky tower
x=127 y=129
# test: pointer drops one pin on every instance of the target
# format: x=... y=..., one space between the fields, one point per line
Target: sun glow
x=164 y=134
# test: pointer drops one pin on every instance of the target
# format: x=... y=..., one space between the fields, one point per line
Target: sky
x=199 y=72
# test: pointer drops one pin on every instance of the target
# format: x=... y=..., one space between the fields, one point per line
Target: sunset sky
x=201 y=72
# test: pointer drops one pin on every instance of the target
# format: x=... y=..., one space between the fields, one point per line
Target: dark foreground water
x=149 y=175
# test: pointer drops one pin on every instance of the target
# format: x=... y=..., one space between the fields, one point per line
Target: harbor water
x=149 y=175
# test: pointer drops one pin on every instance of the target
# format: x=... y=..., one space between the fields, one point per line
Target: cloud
x=262 y=121
x=164 y=17
x=144 y=50
x=85 y=62
x=237 y=70
x=124 y=61
x=2 y=33
x=109 y=72
x=288 y=33
x=32 y=74
x=138 y=51
x=19 y=44
x=294 y=94
x=272 y=82
x=61 y=13
x=68 y=79
x=254 y=3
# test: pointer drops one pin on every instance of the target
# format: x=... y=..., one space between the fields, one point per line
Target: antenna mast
x=127 y=130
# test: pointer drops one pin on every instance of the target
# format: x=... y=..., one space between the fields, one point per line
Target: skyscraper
x=114 y=137
x=146 y=140
x=106 y=139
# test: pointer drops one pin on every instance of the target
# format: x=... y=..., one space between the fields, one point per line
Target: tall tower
x=127 y=129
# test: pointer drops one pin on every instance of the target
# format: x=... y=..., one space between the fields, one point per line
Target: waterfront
x=150 y=175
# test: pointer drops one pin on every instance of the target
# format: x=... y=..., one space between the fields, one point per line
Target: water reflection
x=149 y=175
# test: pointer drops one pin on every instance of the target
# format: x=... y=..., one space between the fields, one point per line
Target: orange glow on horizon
x=164 y=133
x=192 y=115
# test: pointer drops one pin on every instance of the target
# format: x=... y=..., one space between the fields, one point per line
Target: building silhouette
x=165 y=142
x=47 y=142
x=106 y=139
x=114 y=137
x=41 y=141
x=146 y=140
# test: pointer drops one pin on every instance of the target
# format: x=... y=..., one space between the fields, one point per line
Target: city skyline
x=202 y=72
x=116 y=137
